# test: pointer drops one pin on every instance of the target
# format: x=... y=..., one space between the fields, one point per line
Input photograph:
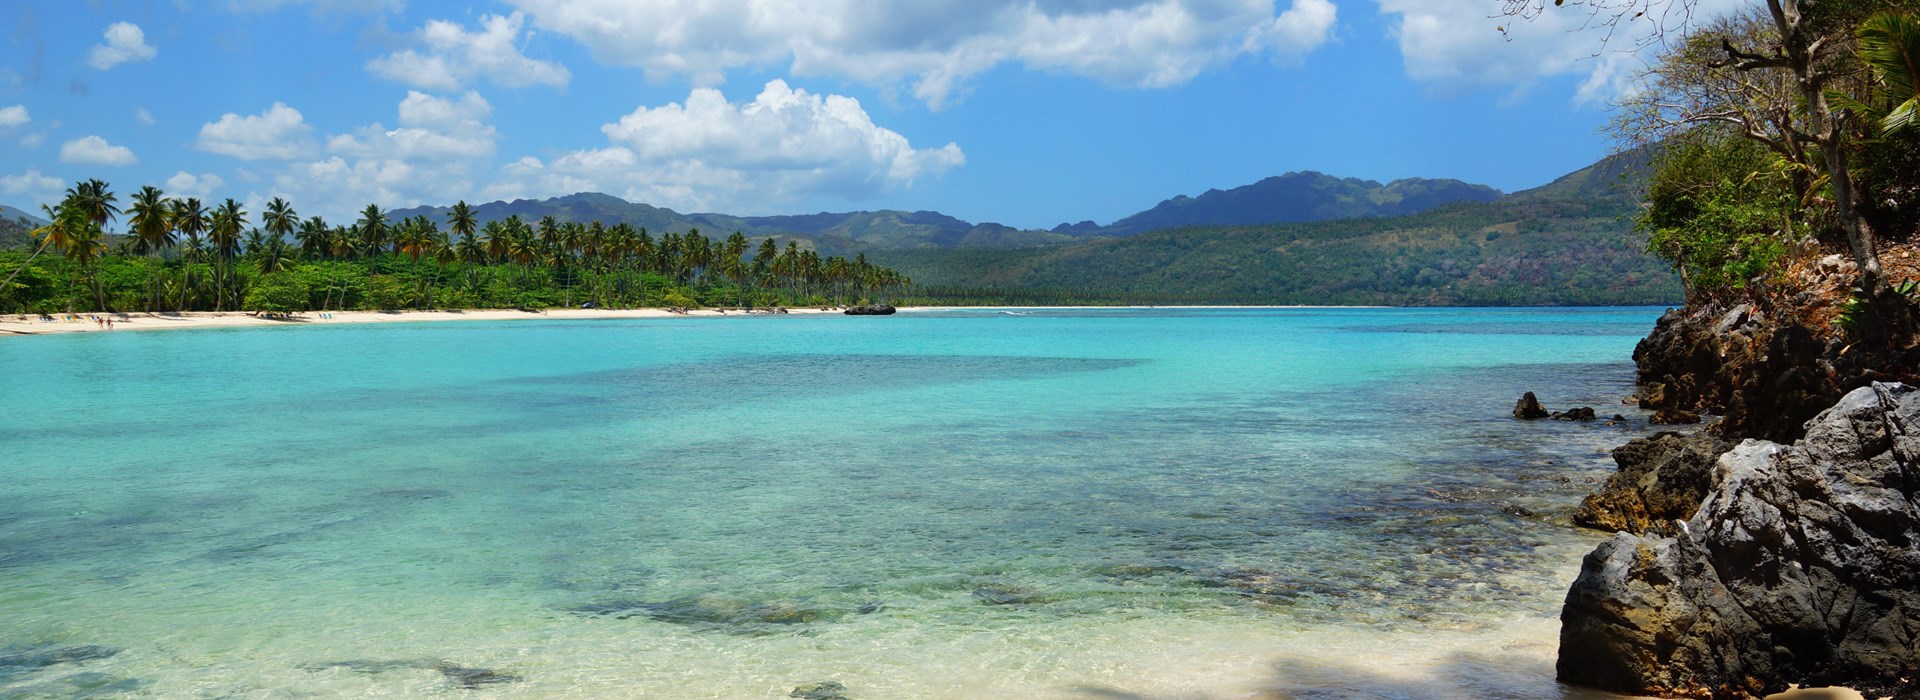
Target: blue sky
x=1023 y=112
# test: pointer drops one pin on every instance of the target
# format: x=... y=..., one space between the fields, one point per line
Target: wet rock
x=1583 y=413
x=1528 y=408
x=1661 y=479
x=44 y=655
x=999 y=594
x=459 y=676
x=824 y=690
x=870 y=310
x=1674 y=416
x=730 y=614
x=1802 y=566
x=1518 y=511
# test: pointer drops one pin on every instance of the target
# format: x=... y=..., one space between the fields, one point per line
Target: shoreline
x=25 y=325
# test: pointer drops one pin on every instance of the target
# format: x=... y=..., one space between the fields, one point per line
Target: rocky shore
x=1779 y=543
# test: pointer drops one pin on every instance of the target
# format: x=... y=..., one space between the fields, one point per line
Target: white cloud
x=143 y=116
x=937 y=45
x=1452 y=45
x=186 y=184
x=433 y=156
x=451 y=57
x=43 y=189
x=93 y=150
x=709 y=154
x=31 y=141
x=280 y=133
x=125 y=43
x=13 y=116
x=431 y=128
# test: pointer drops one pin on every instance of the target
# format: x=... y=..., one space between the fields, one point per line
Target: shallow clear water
x=1062 y=504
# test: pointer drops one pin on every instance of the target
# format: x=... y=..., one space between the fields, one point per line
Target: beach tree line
x=183 y=254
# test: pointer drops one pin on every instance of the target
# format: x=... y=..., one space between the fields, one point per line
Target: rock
x=1661 y=478
x=1528 y=408
x=870 y=310
x=43 y=656
x=824 y=690
x=1518 y=511
x=1582 y=413
x=996 y=594
x=1674 y=416
x=460 y=676
x=1801 y=566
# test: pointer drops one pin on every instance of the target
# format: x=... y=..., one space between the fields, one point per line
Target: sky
x=1028 y=113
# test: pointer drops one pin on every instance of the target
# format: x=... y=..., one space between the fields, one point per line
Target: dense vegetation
x=1786 y=130
x=1570 y=252
x=178 y=255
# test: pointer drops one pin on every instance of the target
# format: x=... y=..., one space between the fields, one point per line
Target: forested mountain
x=1305 y=196
x=1569 y=242
x=8 y=213
x=1291 y=198
x=829 y=233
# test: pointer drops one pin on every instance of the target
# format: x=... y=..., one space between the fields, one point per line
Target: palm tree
x=94 y=200
x=373 y=231
x=460 y=220
x=152 y=228
x=279 y=218
x=273 y=256
x=1890 y=44
x=228 y=219
x=51 y=235
x=313 y=238
x=190 y=219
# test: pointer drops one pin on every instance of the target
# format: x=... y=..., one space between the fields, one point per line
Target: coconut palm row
x=197 y=256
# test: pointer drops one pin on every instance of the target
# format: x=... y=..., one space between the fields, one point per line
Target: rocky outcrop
x=1528 y=407
x=1802 y=566
x=1661 y=479
x=870 y=310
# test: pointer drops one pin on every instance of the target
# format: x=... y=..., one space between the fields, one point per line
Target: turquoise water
x=957 y=504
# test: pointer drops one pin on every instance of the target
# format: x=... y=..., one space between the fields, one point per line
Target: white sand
x=13 y=324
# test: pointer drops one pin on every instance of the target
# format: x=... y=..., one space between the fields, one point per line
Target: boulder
x=1583 y=413
x=1661 y=479
x=1674 y=416
x=1801 y=566
x=1528 y=408
x=824 y=690
x=870 y=310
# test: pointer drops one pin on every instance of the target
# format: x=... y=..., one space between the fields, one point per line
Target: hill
x=1569 y=242
x=1293 y=197
x=830 y=233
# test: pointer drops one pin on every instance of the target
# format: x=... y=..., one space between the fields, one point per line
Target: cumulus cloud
x=43 y=189
x=937 y=45
x=451 y=57
x=1452 y=45
x=13 y=116
x=93 y=150
x=280 y=133
x=432 y=156
x=708 y=153
x=125 y=43
x=186 y=184
x=431 y=128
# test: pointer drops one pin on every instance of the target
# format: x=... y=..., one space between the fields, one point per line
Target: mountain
x=1570 y=242
x=9 y=213
x=830 y=233
x=1293 y=197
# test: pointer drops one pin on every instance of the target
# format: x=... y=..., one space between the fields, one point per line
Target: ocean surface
x=1033 y=503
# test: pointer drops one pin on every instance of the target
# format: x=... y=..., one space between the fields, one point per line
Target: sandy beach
x=27 y=324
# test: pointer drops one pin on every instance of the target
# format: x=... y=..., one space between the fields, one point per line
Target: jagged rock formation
x=1802 y=566
x=1662 y=479
x=1769 y=366
x=1528 y=407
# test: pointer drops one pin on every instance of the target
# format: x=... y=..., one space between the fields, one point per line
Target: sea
x=1097 y=504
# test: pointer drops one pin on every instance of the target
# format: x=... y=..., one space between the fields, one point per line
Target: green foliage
x=1720 y=208
x=280 y=292
x=1532 y=251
